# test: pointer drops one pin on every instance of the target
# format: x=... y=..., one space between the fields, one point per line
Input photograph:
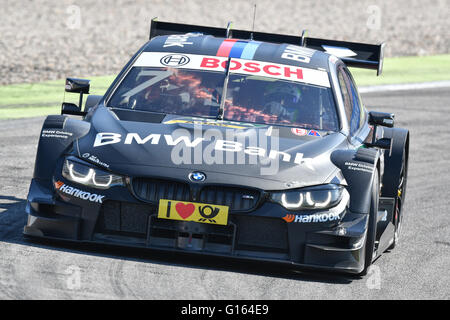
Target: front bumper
x=258 y=235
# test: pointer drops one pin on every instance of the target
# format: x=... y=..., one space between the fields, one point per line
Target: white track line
x=405 y=86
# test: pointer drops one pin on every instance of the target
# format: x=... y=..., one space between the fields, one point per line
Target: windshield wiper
x=224 y=91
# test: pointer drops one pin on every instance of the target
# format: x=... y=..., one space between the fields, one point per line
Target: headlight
x=320 y=197
x=88 y=176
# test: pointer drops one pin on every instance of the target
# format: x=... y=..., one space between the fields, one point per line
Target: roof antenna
x=304 y=36
x=230 y=24
x=253 y=25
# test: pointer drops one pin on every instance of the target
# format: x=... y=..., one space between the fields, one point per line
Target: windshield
x=265 y=100
x=249 y=98
x=170 y=91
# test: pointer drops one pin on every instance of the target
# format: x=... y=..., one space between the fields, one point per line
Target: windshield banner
x=239 y=66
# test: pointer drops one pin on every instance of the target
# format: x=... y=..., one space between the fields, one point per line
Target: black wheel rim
x=401 y=190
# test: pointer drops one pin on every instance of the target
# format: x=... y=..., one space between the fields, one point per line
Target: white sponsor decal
x=296 y=53
x=340 y=52
x=179 y=40
x=239 y=66
x=299 y=131
x=175 y=60
x=359 y=167
x=280 y=71
x=46 y=133
x=95 y=160
x=106 y=138
x=312 y=218
x=77 y=193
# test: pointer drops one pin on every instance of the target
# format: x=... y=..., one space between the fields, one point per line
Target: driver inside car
x=281 y=100
x=183 y=91
x=289 y=103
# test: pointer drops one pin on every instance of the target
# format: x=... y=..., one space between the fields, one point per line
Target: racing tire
x=369 y=245
x=395 y=176
x=400 y=200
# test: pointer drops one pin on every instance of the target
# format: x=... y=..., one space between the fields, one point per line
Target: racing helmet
x=285 y=93
x=281 y=99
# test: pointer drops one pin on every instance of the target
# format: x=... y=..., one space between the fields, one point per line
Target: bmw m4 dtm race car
x=227 y=143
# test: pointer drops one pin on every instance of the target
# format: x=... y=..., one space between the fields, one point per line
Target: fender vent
x=54 y=122
x=366 y=155
x=139 y=116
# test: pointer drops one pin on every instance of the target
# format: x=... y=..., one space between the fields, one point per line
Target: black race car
x=227 y=143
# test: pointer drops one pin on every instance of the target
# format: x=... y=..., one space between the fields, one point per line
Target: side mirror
x=71 y=108
x=77 y=85
x=381 y=119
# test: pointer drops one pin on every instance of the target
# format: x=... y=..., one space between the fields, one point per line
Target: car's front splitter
x=319 y=243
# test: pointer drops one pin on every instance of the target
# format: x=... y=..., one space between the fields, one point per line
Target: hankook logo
x=322 y=217
x=74 y=192
x=174 y=60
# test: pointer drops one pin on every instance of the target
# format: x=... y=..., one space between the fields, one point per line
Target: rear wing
x=353 y=54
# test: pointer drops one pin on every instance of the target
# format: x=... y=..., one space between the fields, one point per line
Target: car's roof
x=237 y=48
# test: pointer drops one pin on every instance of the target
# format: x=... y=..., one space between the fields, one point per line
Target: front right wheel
x=399 y=200
x=369 y=245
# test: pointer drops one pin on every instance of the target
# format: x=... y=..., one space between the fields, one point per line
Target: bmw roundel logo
x=197 y=176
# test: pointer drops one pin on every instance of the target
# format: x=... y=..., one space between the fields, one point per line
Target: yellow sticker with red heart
x=193 y=211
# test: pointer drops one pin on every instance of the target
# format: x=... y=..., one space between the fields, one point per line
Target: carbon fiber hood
x=232 y=153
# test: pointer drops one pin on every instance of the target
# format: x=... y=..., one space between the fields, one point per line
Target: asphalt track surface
x=416 y=269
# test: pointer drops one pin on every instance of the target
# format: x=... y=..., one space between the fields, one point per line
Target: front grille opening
x=261 y=234
x=152 y=190
x=44 y=209
x=191 y=236
x=121 y=218
x=236 y=198
x=220 y=239
x=50 y=210
x=163 y=233
x=329 y=240
x=244 y=247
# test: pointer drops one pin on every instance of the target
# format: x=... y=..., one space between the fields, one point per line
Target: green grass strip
x=406 y=70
